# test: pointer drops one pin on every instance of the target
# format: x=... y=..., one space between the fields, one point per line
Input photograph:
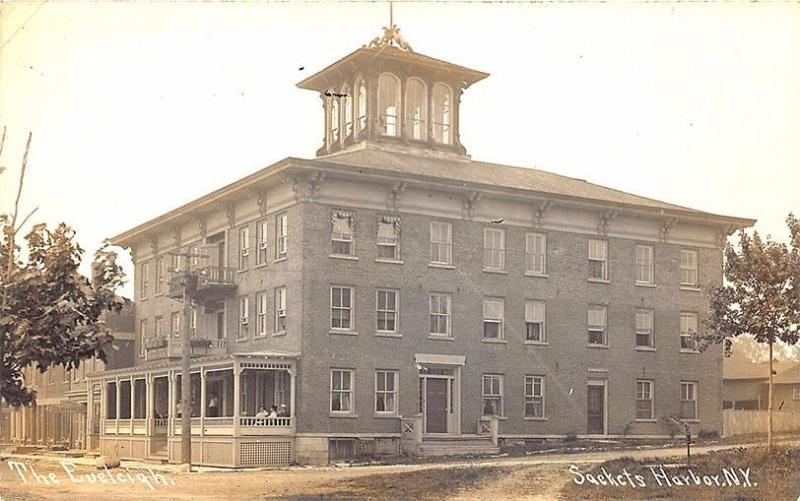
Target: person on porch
x=273 y=412
x=283 y=411
x=213 y=406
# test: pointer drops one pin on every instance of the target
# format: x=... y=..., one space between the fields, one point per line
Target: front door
x=596 y=409
x=436 y=405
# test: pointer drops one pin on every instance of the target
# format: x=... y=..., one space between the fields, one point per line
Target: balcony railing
x=204 y=284
x=160 y=348
x=265 y=422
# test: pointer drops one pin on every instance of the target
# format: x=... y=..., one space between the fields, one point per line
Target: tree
x=761 y=297
x=49 y=312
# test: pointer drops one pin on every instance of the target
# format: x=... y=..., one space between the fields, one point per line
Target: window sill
x=441 y=337
x=441 y=266
x=388 y=261
x=343 y=333
x=279 y=259
x=279 y=333
x=691 y=420
x=536 y=343
x=690 y=352
x=343 y=256
x=599 y=280
x=242 y=271
x=536 y=275
x=690 y=288
x=242 y=340
x=386 y=415
x=388 y=334
x=260 y=265
x=529 y=418
x=342 y=415
x=158 y=294
x=260 y=336
x=645 y=348
x=597 y=346
x=501 y=418
x=494 y=341
x=649 y=420
x=498 y=272
x=645 y=284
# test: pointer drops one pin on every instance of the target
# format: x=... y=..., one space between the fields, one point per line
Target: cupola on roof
x=386 y=93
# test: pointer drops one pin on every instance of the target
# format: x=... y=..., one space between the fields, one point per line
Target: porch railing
x=160 y=422
x=265 y=422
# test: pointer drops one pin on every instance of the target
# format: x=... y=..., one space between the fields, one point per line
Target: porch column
x=149 y=410
x=118 y=403
x=89 y=408
x=237 y=374
x=171 y=381
x=132 y=404
x=293 y=397
x=202 y=400
x=103 y=406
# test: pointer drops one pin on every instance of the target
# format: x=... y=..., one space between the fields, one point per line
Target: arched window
x=361 y=104
x=347 y=103
x=389 y=104
x=442 y=113
x=334 y=108
x=416 y=109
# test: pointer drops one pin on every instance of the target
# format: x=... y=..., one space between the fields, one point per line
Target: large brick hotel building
x=394 y=294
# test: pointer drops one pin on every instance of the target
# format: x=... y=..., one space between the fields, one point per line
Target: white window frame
x=193 y=322
x=244 y=248
x=243 y=332
x=531 y=397
x=351 y=308
x=492 y=395
x=341 y=238
x=142 y=336
x=159 y=327
x=642 y=396
x=281 y=235
x=690 y=268
x=350 y=392
x=494 y=249
x=393 y=242
x=262 y=242
x=159 y=275
x=387 y=310
x=494 y=320
x=382 y=375
x=280 y=309
x=688 y=318
x=598 y=252
x=536 y=254
x=597 y=327
x=443 y=243
x=645 y=320
x=684 y=398
x=448 y=302
x=645 y=267
x=144 y=280
x=261 y=314
x=175 y=324
x=532 y=309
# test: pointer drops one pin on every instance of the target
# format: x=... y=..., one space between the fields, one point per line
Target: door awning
x=436 y=359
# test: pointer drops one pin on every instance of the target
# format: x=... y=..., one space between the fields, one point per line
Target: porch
x=239 y=404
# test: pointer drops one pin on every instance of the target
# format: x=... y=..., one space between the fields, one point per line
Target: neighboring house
x=59 y=416
x=745 y=383
x=395 y=289
x=786 y=389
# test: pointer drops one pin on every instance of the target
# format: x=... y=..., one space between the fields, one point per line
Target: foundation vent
x=265 y=453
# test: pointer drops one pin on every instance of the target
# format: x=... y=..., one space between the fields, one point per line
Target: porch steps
x=460 y=445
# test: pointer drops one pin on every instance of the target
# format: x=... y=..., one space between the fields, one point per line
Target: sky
x=138 y=108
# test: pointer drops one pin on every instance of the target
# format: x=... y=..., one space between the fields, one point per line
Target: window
x=175 y=263
x=597 y=325
x=341 y=308
x=76 y=374
x=386 y=392
x=388 y=104
x=140 y=399
x=493 y=318
x=244 y=317
x=261 y=237
x=244 y=248
x=159 y=327
x=342 y=391
x=361 y=110
x=348 y=111
x=333 y=106
x=688 y=331
x=193 y=322
x=688 y=267
x=389 y=238
x=492 y=395
x=194 y=260
x=342 y=225
x=281 y=235
x=644 y=399
x=644 y=328
x=536 y=253
x=175 y=324
x=142 y=335
x=144 y=280
x=440 y=314
x=494 y=249
x=442 y=102
x=280 y=309
x=796 y=392
x=111 y=400
x=689 y=399
x=416 y=109
x=441 y=243
x=125 y=399
x=534 y=321
x=159 y=275
x=534 y=396
x=261 y=314
x=598 y=259
x=644 y=264
x=386 y=311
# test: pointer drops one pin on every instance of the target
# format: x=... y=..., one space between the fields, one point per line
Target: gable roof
x=789 y=375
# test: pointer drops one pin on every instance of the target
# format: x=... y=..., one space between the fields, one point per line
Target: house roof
x=789 y=374
x=739 y=366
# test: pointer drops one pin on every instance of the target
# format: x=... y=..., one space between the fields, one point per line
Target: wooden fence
x=752 y=422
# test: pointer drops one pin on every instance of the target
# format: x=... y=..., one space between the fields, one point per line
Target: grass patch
x=772 y=476
x=421 y=484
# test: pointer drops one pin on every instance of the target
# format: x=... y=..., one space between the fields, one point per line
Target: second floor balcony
x=171 y=347
x=204 y=284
